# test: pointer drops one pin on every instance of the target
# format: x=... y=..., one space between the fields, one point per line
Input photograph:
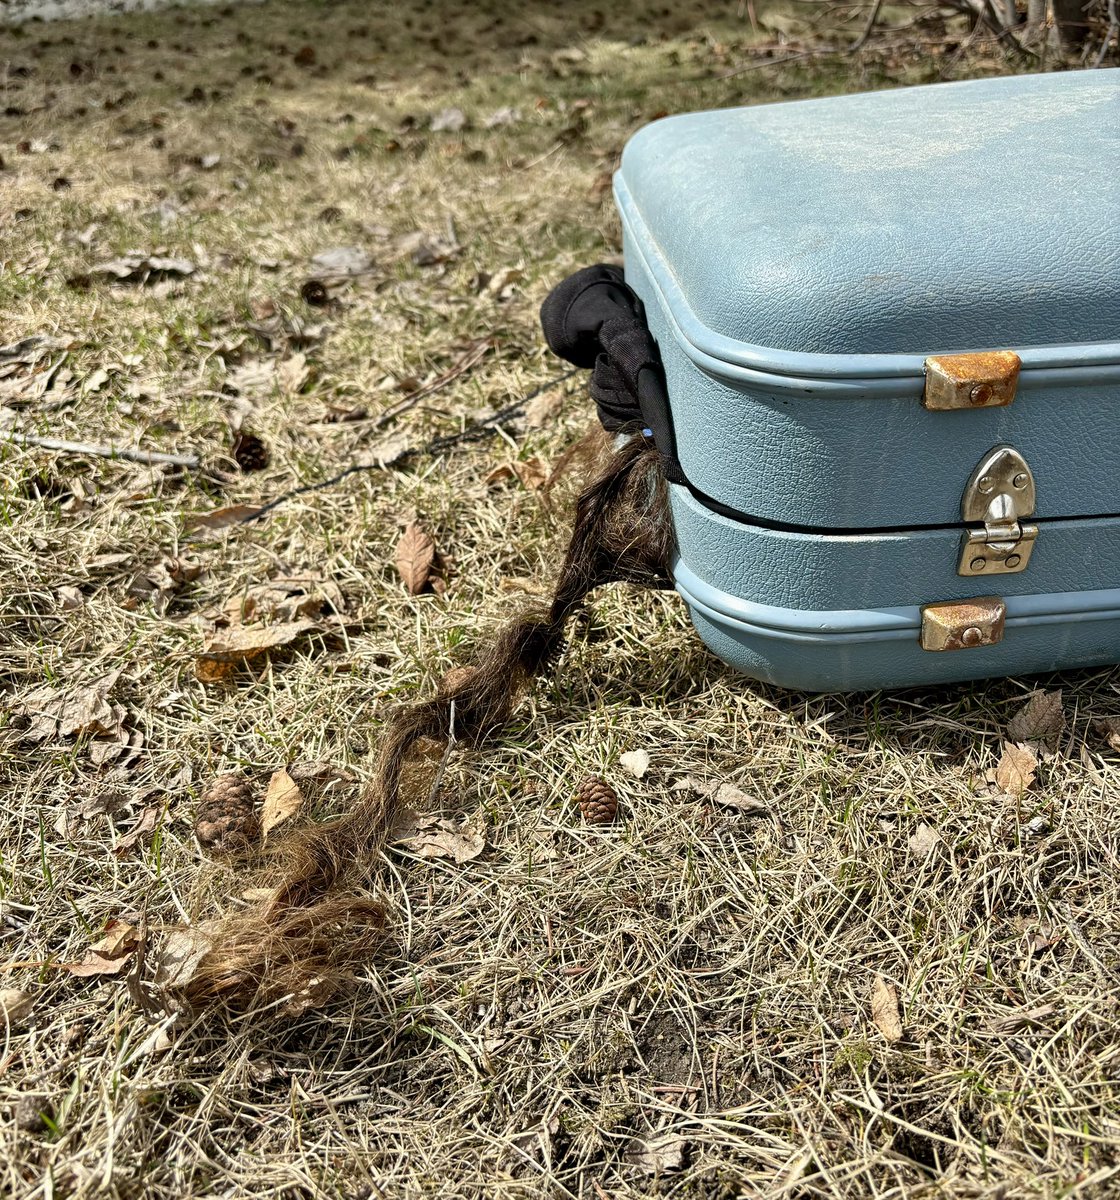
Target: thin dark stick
x=473 y=432
x=1111 y=32
x=463 y=365
x=861 y=41
x=451 y=739
x=767 y=62
x=150 y=457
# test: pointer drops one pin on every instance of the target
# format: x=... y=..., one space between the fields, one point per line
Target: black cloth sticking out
x=595 y=321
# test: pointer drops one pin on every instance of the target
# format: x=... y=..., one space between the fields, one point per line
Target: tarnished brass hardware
x=963 y=624
x=997 y=496
x=983 y=380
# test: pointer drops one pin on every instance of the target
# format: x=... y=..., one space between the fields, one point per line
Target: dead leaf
x=449 y=120
x=532 y=474
x=94 y=381
x=522 y=583
x=503 y=283
x=1042 y=719
x=433 y=837
x=1012 y=1022
x=230 y=647
x=724 y=794
x=386 y=452
x=543 y=408
x=74 y=711
x=426 y=250
x=1016 y=769
x=292 y=374
x=884 y=1009
x=320 y=770
x=180 y=955
x=105 y=562
x=318 y=777
x=656 y=1156
x=416 y=554
x=600 y=186
x=15 y=1007
x=636 y=762
x=27 y=350
x=160 y=584
x=102 y=751
x=220 y=518
x=282 y=800
x=260 y=895
x=342 y=262
x=1109 y=729
x=1042 y=937
x=251 y=378
x=145 y=824
x=923 y=841
x=285 y=598
x=502 y=116
x=144 y=268
x=110 y=954
x=535 y=1142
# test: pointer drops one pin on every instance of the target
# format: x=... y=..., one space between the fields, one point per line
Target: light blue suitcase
x=890 y=329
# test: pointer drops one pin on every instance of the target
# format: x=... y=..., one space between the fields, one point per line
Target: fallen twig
x=472 y=433
x=150 y=457
x=474 y=355
x=772 y=62
x=862 y=39
x=1112 y=31
x=451 y=739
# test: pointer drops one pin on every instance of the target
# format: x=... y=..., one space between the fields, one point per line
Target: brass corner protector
x=986 y=379
x=963 y=624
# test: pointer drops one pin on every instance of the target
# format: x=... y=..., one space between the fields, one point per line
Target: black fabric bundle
x=594 y=320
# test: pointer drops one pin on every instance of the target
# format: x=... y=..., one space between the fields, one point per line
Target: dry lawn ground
x=861 y=970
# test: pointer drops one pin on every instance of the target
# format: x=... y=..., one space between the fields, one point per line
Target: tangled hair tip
x=323 y=919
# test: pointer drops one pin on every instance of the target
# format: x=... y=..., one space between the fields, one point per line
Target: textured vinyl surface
x=837 y=585
x=924 y=220
x=875 y=462
x=800 y=571
x=903 y=663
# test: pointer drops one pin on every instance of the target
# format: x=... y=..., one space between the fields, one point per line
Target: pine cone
x=597 y=801
x=226 y=823
x=249 y=452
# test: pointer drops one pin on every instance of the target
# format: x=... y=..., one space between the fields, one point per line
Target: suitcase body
x=890 y=330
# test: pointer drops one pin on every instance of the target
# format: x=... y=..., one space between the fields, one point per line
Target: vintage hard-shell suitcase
x=890 y=330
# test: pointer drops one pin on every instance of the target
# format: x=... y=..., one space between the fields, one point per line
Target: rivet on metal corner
x=1013 y=560
x=971 y=636
x=985 y=484
x=981 y=393
x=978 y=564
x=1021 y=480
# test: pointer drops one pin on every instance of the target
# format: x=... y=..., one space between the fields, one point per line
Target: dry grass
x=675 y=1005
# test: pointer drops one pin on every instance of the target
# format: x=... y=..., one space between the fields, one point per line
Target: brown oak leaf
x=227 y=648
x=281 y=801
x=884 y=1009
x=110 y=954
x=416 y=556
x=1015 y=771
x=1042 y=719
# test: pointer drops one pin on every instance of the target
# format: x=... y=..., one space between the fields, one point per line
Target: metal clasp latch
x=985 y=379
x=963 y=624
x=998 y=495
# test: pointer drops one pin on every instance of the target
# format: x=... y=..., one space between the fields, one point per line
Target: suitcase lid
x=847 y=239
